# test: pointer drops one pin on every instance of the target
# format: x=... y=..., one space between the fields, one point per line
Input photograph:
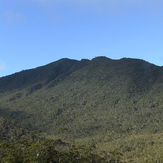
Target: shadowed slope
x=40 y=75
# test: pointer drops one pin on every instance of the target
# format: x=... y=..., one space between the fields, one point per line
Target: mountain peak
x=101 y=58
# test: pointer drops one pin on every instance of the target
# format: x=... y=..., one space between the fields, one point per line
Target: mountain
x=86 y=100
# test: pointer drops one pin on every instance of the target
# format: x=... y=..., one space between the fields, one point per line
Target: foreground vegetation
x=144 y=148
x=53 y=152
x=121 y=149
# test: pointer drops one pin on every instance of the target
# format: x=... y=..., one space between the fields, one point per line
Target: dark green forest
x=87 y=111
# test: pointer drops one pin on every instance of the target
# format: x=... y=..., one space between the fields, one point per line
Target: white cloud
x=12 y=17
x=112 y=6
x=2 y=66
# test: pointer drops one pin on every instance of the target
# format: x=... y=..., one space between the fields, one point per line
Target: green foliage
x=46 y=152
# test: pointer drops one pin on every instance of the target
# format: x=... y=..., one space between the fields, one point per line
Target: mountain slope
x=12 y=132
x=70 y=98
x=40 y=75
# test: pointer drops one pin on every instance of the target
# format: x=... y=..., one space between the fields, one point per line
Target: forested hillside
x=116 y=105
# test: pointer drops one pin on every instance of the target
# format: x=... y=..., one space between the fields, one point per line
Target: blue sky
x=36 y=32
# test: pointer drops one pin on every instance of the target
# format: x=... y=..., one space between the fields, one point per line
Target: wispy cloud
x=2 y=66
x=101 y=2
x=13 y=16
x=106 y=5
